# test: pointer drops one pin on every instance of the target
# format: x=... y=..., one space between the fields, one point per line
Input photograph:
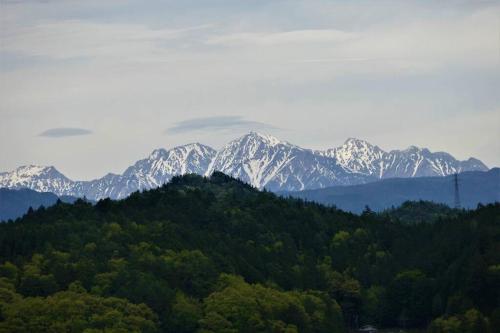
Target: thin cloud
x=67 y=39
x=294 y=36
x=217 y=123
x=62 y=132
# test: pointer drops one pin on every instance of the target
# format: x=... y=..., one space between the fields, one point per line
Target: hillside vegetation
x=216 y=255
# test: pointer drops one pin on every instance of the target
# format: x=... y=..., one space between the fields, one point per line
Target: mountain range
x=258 y=159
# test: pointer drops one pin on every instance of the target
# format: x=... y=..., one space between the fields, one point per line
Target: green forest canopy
x=216 y=255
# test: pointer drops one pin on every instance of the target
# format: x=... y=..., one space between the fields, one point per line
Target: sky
x=92 y=86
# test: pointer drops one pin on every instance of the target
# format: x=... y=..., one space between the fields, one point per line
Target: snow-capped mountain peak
x=259 y=159
x=356 y=142
x=161 y=165
x=255 y=158
x=267 y=162
x=412 y=149
x=158 y=154
x=266 y=138
x=41 y=178
x=34 y=171
x=31 y=169
x=358 y=146
x=359 y=156
x=356 y=155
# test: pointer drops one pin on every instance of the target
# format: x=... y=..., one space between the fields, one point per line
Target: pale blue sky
x=132 y=76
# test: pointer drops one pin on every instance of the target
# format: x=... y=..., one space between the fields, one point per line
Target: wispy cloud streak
x=66 y=39
x=285 y=37
x=62 y=132
x=217 y=123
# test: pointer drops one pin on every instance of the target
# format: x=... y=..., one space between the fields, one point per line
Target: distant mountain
x=15 y=203
x=474 y=187
x=261 y=160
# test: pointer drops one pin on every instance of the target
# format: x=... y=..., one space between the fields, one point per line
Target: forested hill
x=216 y=255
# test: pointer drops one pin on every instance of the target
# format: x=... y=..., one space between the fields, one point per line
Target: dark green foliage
x=216 y=255
x=420 y=211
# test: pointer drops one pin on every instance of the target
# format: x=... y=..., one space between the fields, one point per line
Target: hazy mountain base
x=475 y=187
x=15 y=203
x=215 y=255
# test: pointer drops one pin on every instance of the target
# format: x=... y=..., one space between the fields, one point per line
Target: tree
x=255 y=308
x=185 y=314
x=410 y=296
x=472 y=321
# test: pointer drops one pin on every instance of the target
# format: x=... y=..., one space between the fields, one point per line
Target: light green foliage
x=71 y=311
x=191 y=271
x=373 y=299
x=9 y=271
x=343 y=288
x=255 y=308
x=472 y=321
x=340 y=238
x=449 y=325
x=185 y=314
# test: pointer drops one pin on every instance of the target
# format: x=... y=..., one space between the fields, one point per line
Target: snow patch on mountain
x=39 y=178
x=162 y=165
x=357 y=156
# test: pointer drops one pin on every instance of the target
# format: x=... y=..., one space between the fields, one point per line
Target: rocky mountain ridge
x=261 y=160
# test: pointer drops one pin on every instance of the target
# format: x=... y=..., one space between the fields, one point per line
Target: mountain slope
x=261 y=160
x=41 y=179
x=361 y=157
x=265 y=161
x=358 y=156
x=161 y=165
x=15 y=203
x=158 y=168
x=475 y=187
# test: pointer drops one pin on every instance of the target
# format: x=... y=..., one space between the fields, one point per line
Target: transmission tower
x=457 y=191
